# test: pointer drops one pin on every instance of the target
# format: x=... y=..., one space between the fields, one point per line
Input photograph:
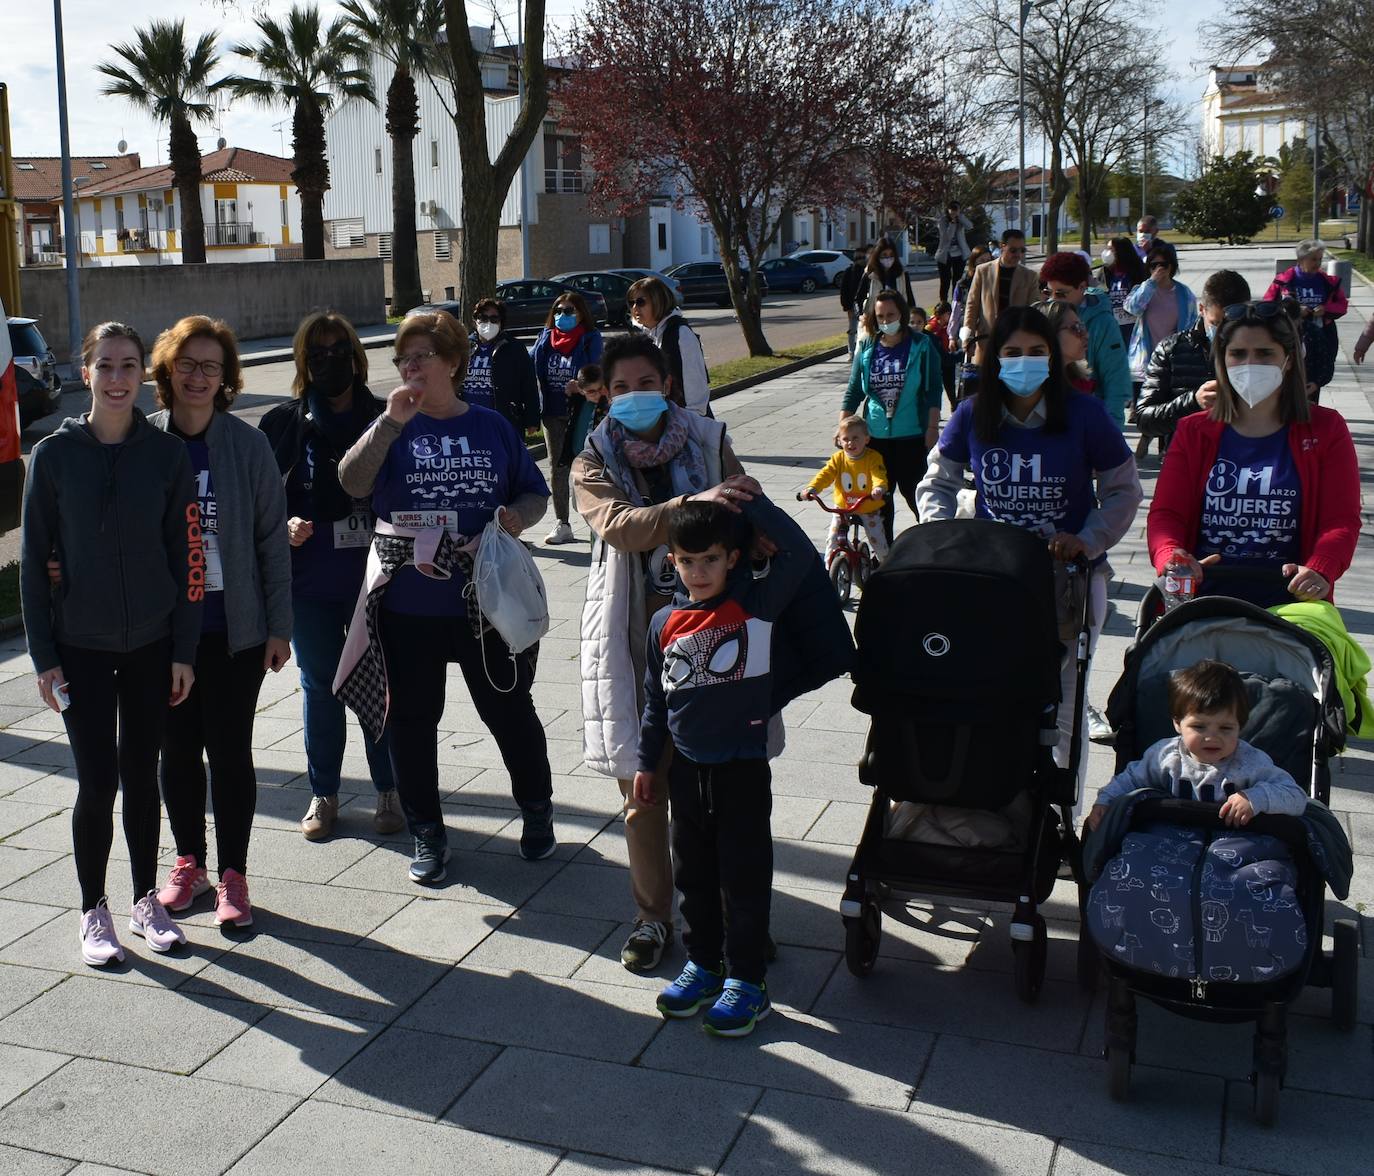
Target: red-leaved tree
x=743 y=109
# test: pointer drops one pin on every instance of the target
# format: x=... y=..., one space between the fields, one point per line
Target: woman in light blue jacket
x=896 y=377
x=1162 y=307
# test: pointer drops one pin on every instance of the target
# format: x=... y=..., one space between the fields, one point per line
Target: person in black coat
x=850 y=285
x=1182 y=363
x=500 y=371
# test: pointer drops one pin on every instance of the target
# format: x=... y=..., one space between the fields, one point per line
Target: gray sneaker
x=431 y=854
x=645 y=946
x=1099 y=730
x=536 y=839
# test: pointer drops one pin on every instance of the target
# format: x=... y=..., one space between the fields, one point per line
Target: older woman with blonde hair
x=330 y=533
x=245 y=586
x=438 y=470
x=654 y=309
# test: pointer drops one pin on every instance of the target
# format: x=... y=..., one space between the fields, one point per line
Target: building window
x=384 y=246
x=169 y=204
x=708 y=242
x=434 y=153
x=22 y=166
x=598 y=238
x=377 y=160
x=99 y=166
x=348 y=234
x=443 y=245
x=285 y=214
x=99 y=214
x=119 y=217
x=662 y=235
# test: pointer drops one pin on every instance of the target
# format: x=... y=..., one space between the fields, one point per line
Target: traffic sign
x=1277 y=212
x=1352 y=201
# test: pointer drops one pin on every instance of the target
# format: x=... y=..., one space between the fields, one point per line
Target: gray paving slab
x=797 y=1133
x=126 y=1023
x=585 y=890
x=289 y=1051
x=572 y=829
x=542 y=943
x=339 y=1138
x=1314 y=1133
x=542 y=1012
x=19 y=985
x=492 y=879
x=16 y=864
x=19 y=918
x=22 y=1068
x=1065 y=1096
x=411 y=1073
x=14 y=1162
x=340 y=981
x=92 y=1110
x=574 y=1164
x=848 y=1060
x=1074 y=1158
x=623 y=1112
x=16 y=815
x=435 y=928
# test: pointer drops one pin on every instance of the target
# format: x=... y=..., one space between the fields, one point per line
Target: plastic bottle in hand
x=1180 y=584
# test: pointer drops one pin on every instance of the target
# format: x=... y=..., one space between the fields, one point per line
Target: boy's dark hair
x=943 y=308
x=698 y=526
x=918 y=313
x=590 y=374
x=1225 y=288
x=1013 y=234
x=1206 y=688
x=632 y=347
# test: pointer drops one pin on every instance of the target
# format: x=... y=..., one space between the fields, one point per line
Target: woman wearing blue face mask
x=896 y=377
x=1043 y=457
x=567 y=344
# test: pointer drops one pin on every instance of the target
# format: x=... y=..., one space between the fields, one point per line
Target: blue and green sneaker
x=696 y=986
x=741 y=1005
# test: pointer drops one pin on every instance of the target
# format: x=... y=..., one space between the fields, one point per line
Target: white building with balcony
x=1241 y=111
x=248 y=201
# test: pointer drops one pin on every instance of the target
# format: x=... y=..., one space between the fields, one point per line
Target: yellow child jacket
x=853 y=479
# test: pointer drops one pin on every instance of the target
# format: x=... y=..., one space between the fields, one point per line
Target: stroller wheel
x=841 y=578
x=1118 y=1073
x=861 y=939
x=1028 y=961
x=1345 y=965
x=1266 y=1098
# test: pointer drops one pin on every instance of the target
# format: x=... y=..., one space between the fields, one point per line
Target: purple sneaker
x=99 y=945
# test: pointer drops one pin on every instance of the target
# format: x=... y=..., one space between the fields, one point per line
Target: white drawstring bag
x=510 y=590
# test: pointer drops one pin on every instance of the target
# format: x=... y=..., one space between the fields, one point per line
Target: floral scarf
x=675 y=449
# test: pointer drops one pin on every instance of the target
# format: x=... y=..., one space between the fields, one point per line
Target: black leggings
x=905 y=458
x=950 y=272
x=216 y=720
x=114 y=726
x=418 y=651
x=723 y=851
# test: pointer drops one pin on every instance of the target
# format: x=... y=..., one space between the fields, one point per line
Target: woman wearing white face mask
x=500 y=373
x=883 y=272
x=1264 y=479
x=896 y=385
x=1043 y=457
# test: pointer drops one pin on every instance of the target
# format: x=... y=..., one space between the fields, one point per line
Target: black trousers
x=905 y=458
x=418 y=650
x=949 y=373
x=723 y=851
x=114 y=725
x=215 y=723
x=950 y=273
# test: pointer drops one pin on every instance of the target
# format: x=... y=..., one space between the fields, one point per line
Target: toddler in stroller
x=1208 y=861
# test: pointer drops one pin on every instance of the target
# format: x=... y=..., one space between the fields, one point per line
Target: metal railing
x=232 y=233
x=561 y=180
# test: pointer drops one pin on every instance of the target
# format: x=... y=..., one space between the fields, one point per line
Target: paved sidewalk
x=487 y=1026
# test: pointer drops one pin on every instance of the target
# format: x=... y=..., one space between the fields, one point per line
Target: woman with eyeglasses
x=1263 y=479
x=500 y=373
x=114 y=640
x=330 y=533
x=1322 y=301
x=654 y=310
x=568 y=343
x=1044 y=458
x=1073 y=344
x=1161 y=307
x=245 y=585
x=438 y=470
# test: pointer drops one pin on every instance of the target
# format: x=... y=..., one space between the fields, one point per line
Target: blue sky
x=98 y=124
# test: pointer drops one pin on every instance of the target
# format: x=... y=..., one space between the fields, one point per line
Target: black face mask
x=332 y=375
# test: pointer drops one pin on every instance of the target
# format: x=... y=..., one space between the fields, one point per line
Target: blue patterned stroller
x=1210 y=922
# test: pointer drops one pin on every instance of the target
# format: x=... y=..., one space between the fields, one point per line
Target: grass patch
x=9 y=590
x=1361 y=261
x=755 y=365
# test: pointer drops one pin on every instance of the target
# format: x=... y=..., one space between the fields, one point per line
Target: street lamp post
x=525 y=159
x=1145 y=150
x=73 y=242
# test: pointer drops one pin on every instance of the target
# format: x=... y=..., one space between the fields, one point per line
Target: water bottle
x=1180 y=585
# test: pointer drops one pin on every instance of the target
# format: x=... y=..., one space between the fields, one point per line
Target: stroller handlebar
x=803 y=495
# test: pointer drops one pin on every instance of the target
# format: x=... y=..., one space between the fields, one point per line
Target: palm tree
x=160 y=75
x=306 y=67
x=404 y=33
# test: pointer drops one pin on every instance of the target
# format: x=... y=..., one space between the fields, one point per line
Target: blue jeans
x=318 y=638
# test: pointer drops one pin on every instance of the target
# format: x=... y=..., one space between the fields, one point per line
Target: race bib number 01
x=425 y=520
x=355 y=530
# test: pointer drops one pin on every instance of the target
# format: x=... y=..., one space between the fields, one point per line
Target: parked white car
x=831 y=261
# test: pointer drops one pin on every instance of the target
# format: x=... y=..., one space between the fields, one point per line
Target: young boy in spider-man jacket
x=709 y=685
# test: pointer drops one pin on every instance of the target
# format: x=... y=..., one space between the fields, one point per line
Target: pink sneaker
x=231 y=900
x=185 y=884
x=99 y=945
x=149 y=918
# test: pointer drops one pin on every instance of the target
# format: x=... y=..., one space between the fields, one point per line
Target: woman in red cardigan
x=1264 y=479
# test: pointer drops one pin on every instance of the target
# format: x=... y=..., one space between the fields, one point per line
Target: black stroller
x=959 y=670
x=1297 y=718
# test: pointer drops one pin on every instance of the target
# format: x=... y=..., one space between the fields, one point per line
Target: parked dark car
x=528 y=302
x=634 y=273
x=792 y=276
x=705 y=281
x=607 y=283
x=35 y=368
